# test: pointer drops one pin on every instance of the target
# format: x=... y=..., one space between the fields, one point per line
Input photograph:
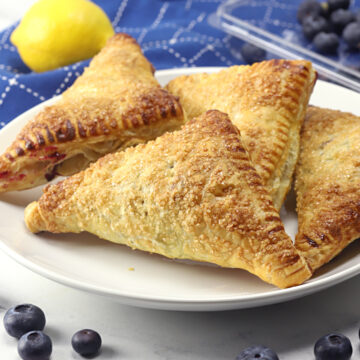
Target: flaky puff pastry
x=116 y=103
x=267 y=102
x=191 y=194
x=328 y=184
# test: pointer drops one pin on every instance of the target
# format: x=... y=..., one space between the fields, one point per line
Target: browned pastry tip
x=36 y=224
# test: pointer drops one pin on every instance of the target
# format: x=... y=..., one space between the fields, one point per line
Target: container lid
x=273 y=26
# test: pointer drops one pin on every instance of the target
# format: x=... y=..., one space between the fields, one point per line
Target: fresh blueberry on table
x=20 y=319
x=313 y=25
x=35 y=345
x=326 y=43
x=257 y=352
x=308 y=8
x=340 y=18
x=338 y=4
x=86 y=342
x=333 y=347
x=252 y=53
x=351 y=35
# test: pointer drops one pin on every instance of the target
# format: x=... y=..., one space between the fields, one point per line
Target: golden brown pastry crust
x=328 y=184
x=189 y=194
x=116 y=103
x=267 y=102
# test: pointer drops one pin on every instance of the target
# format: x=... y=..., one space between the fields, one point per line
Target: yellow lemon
x=55 y=33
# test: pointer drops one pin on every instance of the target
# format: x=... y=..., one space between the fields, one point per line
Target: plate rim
x=169 y=303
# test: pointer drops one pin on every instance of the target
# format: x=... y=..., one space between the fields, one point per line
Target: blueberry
x=86 y=342
x=313 y=25
x=35 y=345
x=340 y=18
x=257 y=352
x=338 y=4
x=308 y=8
x=351 y=35
x=333 y=347
x=326 y=43
x=20 y=319
x=252 y=53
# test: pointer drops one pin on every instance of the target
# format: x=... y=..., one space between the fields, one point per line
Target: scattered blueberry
x=351 y=35
x=20 y=319
x=252 y=53
x=257 y=352
x=340 y=18
x=338 y=4
x=308 y=8
x=35 y=345
x=333 y=347
x=86 y=342
x=326 y=43
x=313 y=25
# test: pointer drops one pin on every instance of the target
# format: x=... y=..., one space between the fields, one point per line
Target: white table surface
x=131 y=333
x=128 y=333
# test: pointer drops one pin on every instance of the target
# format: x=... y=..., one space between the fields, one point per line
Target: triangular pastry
x=115 y=103
x=267 y=103
x=190 y=194
x=328 y=184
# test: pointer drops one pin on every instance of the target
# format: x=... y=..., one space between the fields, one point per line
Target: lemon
x=55 y=33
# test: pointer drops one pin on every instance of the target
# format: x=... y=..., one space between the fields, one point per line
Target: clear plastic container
x=272 y=25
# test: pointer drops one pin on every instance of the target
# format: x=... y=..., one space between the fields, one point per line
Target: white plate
x=136 y=278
